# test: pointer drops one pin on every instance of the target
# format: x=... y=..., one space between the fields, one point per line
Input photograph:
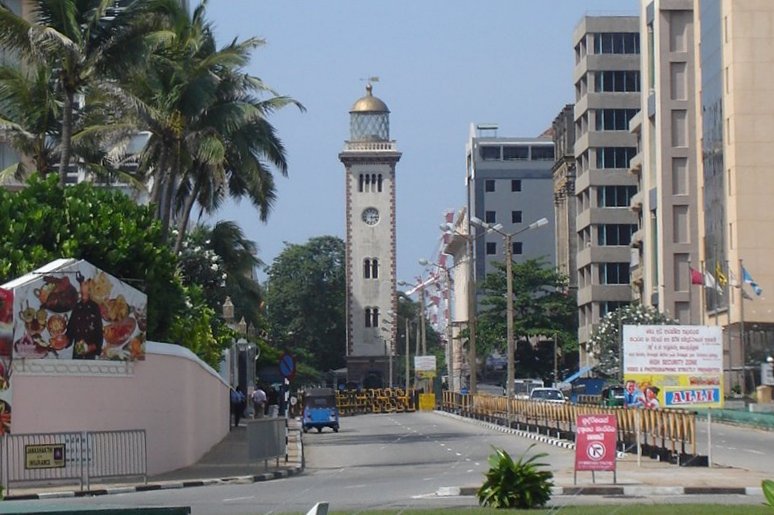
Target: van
x=547 y=395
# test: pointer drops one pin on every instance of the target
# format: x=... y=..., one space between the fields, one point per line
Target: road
x=389 y=461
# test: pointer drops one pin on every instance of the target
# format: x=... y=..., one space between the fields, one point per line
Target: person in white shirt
x=259 y=402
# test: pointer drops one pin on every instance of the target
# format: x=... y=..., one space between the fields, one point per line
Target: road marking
x=235 y=499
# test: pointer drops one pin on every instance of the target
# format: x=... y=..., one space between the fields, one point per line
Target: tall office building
x=509 y=182
x=665 y=246
x=735 y=121
x=563 y=131
x=607 y=96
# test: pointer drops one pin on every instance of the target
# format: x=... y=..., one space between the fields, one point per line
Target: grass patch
x=627 y=509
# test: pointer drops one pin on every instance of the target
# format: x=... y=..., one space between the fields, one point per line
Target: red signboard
x=595 y=440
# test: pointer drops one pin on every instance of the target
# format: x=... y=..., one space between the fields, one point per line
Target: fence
x=376 y=400
x=72 y=457
x=267 y=438
x=665 y=434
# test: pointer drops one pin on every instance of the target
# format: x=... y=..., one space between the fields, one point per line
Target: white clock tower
x=369 y=158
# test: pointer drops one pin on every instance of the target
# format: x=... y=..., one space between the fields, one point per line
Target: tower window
x=515 y=184
x=491 y=248
x=370 y=182
x=489 y=185
x=375 y=317
x=374 y=268
x=379 y=183
x=370 y=268
x=368 y=317
x=367 y=268
x=516 y=217
x=516 y=248
x=361 y=179
x=490 y=217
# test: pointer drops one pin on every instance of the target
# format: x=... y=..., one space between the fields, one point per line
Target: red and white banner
x=595 y=441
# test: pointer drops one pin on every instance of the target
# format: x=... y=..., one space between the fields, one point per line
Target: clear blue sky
x=443 y=65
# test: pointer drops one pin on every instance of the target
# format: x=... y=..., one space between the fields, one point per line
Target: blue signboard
x=287 y=366
x=692 y=396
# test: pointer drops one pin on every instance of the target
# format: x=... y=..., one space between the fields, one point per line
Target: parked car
x=547 y=395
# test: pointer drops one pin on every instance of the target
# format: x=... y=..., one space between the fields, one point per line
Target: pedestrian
x=259 y=402
x=237 y=403
x=272 y=401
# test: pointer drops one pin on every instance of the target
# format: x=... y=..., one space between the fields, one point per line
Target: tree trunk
x=182 y=226
x=169 y=195
x=158 y=182
x=67 y=131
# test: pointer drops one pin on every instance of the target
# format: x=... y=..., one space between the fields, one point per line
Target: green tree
x=605 y=341
x=542 y=309
x=44 y=222
x=305 y=297
x=86 y=43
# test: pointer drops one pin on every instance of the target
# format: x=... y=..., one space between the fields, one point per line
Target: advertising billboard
x=673 y=366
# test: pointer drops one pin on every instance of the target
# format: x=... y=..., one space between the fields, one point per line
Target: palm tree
x=29 y=114
x=209 y=133
x=85 y=42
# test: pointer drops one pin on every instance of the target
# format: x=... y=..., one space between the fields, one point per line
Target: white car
x=547 y=395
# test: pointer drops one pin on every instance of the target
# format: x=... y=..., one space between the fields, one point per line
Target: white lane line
x=236 y=499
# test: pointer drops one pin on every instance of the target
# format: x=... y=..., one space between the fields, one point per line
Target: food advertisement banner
x=673 y=366
x=78 y=312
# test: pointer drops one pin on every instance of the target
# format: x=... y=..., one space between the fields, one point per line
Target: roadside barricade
x=375 y=400
x=664 y=434
x=79 y=457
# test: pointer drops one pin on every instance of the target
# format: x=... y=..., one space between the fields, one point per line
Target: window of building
x=489 y=152
x=515 y=152
x=489 y=185
x=610 y=306
x=614 y=119
x=515 y=217
x=515 y=184
x=615 y=196
x=543 y=153
x=490 y=217
x=615 y=157
x=615 y=234
x=617 y=81
x=614 y=273
x=371 y=268
x=516 y=248
x=375 y=317
x=491 y=248
x=366 y=268
x=617 y=43
x=370 y=182
x=368 y=317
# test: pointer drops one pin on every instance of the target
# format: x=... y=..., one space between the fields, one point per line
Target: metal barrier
x=664 y=434
x=267 y=438
x=375 y=400
x=72 y=457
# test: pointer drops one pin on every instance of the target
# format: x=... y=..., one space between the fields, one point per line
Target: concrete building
x=735 y=120
x=666 y=243
x=607 y=94
x=509 y=182
x=369 y=159
x=565 y=206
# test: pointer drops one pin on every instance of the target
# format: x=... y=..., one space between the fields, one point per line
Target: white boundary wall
x=180 y=401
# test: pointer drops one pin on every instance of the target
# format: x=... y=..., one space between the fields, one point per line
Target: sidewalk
x=225 y=463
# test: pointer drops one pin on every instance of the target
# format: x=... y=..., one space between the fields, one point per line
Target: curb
x=621 y=491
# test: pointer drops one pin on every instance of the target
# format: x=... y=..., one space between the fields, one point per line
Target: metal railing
x=40 y=458
x=666 y=434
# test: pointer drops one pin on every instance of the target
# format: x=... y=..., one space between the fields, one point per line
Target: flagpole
x=741 y=327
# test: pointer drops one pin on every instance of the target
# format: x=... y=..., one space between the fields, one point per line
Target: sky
x=442 y=66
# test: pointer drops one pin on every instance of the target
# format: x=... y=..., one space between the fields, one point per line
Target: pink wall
x=181 y=402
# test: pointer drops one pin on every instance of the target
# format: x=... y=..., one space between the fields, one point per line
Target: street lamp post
x=508 y=237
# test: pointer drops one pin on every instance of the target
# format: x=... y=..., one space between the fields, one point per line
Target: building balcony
x=370 y=146
x=637 y=238
x=635 y=164
x=635 y=204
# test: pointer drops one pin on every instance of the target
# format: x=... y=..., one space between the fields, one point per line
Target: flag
x=722 y=279
x=709 y=282
x=696 y=277
x=746 y=277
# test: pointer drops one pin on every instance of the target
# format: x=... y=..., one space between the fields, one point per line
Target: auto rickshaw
x=613 y=396
x=320 y=410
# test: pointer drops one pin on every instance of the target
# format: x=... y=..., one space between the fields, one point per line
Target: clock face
x=370 y=216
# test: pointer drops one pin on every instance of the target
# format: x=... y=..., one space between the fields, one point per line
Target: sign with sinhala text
x=595 y=440
x=44 y=456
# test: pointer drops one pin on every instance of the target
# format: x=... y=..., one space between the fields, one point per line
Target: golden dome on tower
x=369 y=103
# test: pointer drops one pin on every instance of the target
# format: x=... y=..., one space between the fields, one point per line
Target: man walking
x=259 y=402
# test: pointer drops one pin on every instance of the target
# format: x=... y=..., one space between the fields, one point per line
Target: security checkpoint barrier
x=375 y=400
x=664 y=434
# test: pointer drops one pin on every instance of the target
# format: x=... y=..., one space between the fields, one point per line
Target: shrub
x=515 y=484
x=768 y=491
